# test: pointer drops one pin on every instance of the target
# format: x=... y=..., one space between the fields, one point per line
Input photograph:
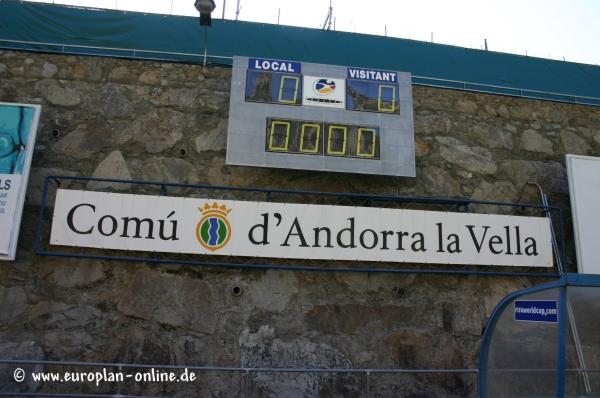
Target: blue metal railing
x=298 y=265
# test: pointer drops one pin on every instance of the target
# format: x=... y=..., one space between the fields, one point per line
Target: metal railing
x=154 y=55
x=247 y=375
x=289 y=196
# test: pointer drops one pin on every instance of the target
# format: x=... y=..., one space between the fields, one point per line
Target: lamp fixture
x=205 y=8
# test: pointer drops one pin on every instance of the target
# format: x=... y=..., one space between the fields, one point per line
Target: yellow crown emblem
x=207 y=209
x=213 y=231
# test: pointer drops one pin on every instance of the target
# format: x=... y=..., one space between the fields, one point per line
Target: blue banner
x=273 y=65
x=536 y=311
x=372 y=75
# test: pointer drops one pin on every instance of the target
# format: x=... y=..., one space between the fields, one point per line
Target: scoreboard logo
x=324 y=87
x=326 y=92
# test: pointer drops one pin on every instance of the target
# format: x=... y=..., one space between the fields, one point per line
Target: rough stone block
x=173 y=300
x=113 y=166
x=476 y=159
x=574 y=144
x=534 y=142
x=26 y=350
x=62 y=96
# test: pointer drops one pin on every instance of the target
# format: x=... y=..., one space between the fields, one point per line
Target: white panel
x=16 y=152
x=324 y=91
x=246 y=133
x=10 y=186
x=584 y=188
x=279 y=230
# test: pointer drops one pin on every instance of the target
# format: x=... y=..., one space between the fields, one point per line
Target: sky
x=556 y=29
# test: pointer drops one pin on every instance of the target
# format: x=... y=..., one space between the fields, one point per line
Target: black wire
x=20 y=128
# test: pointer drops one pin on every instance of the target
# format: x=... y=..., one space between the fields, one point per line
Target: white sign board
x=584 y=188
x=18 y=128
x=324 y=91
x=280 y=230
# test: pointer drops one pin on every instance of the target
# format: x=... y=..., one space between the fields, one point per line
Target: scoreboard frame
x=356 y=120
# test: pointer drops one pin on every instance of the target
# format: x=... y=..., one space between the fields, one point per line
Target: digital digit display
x=367 y=142
x=273 y=88
x=337 y=139
x=318 y=138
x=279 y=135
x=310 y=138
x=353 y=141
x=371 y=96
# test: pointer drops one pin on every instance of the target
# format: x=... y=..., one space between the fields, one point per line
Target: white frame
x=31 y=138
x=582 y=222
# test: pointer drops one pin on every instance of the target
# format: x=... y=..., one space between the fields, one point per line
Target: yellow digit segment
x=314 y=146
x=286 y=126
x=363 y=141
x=296 y=80
x=343 y=130
x=380 y=105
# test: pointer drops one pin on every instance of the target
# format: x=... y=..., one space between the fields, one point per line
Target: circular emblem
x=213 y=231
x=324 y=86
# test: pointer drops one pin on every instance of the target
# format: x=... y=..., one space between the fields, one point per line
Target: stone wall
x=106 y=117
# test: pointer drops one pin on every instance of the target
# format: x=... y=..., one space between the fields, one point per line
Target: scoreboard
x=293 y=115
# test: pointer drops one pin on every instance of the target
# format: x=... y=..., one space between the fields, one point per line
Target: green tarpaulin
x=25 y=25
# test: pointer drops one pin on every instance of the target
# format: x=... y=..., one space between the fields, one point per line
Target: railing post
x=561 y=350
x=119 y=386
